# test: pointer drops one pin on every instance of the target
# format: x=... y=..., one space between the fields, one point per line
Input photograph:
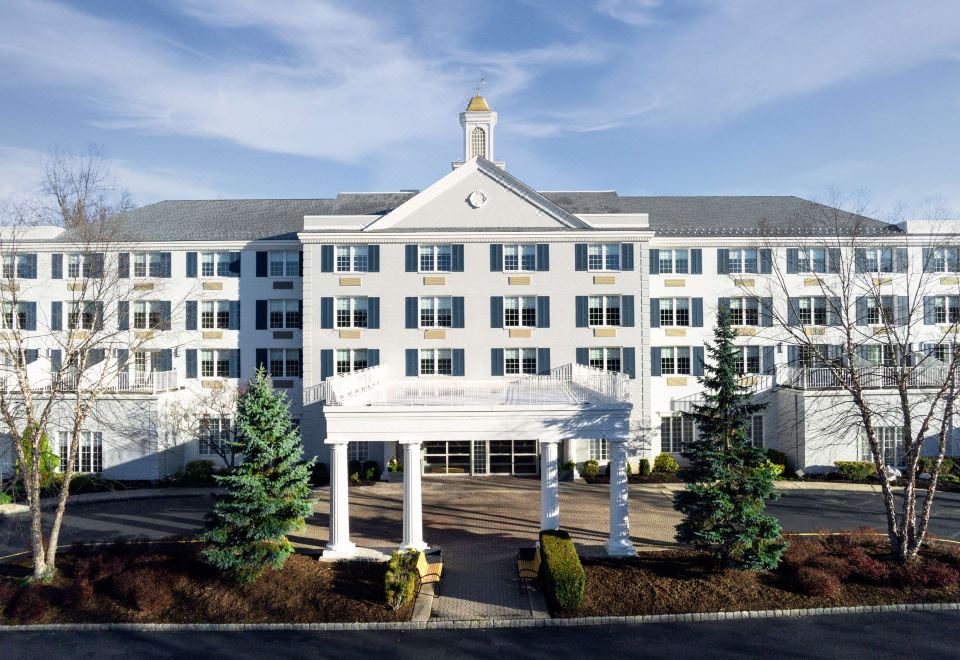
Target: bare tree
x=81 y=189
x=874 y=332
x=199 y=415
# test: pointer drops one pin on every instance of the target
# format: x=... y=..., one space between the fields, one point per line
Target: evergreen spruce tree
x=723 y=504
x=268 y=493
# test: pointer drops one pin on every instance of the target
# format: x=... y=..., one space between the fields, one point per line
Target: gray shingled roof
x=275 y=219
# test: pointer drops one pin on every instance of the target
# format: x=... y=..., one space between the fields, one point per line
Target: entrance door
x=513 y=457
x=494 y=457
x=446 y=457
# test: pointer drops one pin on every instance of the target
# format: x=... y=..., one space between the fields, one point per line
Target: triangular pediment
x=477 y=196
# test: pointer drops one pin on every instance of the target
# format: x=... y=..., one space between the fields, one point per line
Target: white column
x=549 y=488
x=619 y=544
x=339 y=545
x=412 y=499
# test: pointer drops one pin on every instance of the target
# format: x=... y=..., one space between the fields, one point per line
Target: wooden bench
x=429 y=572
x=528 y=565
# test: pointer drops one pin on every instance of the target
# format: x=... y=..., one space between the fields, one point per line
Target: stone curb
x=482 y=623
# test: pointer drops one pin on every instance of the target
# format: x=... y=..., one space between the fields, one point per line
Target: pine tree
x=723 y=504
x=268 y=494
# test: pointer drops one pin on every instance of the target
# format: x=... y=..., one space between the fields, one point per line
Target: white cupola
x=478 y=122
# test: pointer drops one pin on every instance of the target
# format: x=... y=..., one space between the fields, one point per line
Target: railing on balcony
x=757 y=383
x=870 y=376
x=152 y=382
x=565 y=385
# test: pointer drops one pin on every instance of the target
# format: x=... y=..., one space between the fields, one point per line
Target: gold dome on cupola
x=478 y=104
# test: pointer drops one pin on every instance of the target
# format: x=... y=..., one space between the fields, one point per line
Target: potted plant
x=394 y=471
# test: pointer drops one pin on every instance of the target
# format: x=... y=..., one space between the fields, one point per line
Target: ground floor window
x=358 y=451
x=755 y=430
x=519 y=361
x=675 y=433
x=599 y=450
x=482 y=456
x=890 y=439
x=446 y=457
x=90 y=457
x=214 y=436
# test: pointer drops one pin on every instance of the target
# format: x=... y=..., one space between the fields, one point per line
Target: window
x=605 y=358
x=675 y=433
x=675 y=360
x=943 y=352
x=748 y=360
x=946 y=309
x=284 y=264
x=943 y=260
x=603 y=256
x=436 y=362
x=744 y=311
x=145 y=362
x=150 y=315
x=284 y=363
x=812 y=260
x=84 y=264
x=675 y=311
x=880 y=310
x=890 y=439
x=478 y=142
x=812 y=356
x=436 y=258
x=350 y=360
x=15 y=315
x=217 y=264
x=599 y=449
x=284 y=314
x=520 y=257
x=812 y=310
x=351 y=312
x=358 y=451
x=755 y=430
x=674 y=261
x=83 y=316
x=604 y=310
x=90 y=452
x=519 y=361
x=742 y=260
x=151 y=264
x=352 y=259
x=215 y=314
x=216 y=363
x=19 y=265
x=215 y=435
x=520 y=311
x=881 y=354
x=436 y=312
x=878 y=260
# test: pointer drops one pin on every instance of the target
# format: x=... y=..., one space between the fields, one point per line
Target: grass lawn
x=170 y=583
x=815 y=572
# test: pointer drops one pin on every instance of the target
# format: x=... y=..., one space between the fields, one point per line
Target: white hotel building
x=476 y=327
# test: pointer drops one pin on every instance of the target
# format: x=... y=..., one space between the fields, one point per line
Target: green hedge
x=856 y=470
x=562 y=573
x=665 y=464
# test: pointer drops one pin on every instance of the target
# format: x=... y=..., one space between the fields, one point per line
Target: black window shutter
x=630 y=361
x=326 y=313
x=543 y=256
x=262 y=314
x=458 y=320
x=123 y=315
x=56 y=266
x=412 y=322
x=373 y=258
x=456 y=265
x=191 y=360
x=410 y=258
x=543 y=360
x=412 y=362
x=326 y=258
x=123 y=264
x=580 y=256
x=191 y=315
x=262 y=263
x=326 y=364
x=263 y=357
x=496 y=361
x=496 y=257
x=191 y=264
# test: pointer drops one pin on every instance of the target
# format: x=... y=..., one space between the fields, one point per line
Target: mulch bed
x=655 y=478
x=169 y=583
x=815 y=572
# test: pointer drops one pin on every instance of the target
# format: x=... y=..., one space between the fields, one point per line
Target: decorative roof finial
x=479 y=87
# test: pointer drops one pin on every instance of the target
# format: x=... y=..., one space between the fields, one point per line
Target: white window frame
x=676 y=361
x=520 y=361
x=890 y=439
x=605 y=357
x=813 y=260
x=598 y=449
x=519 y=257
x=89 y=456
x=754 y=430
x=14 y=315
x=214 y=436
x=439 y=359
x=741 y=310
x=748 y=355
x=217 y=262
x=878 y=313
x=81 y=315
x=603 y=257
x=676 y=431
x=429 y=311
x=879 y=260
x=435 y=258
x=148 y=315
x=147 y=264
x=358 y=451
x=213 y=357
x=348 y=360
x=288 y=260
x=354 y=309
x=743 y=260
x=356 y=258
x=946 y=309
x=674 y=261
x=670 y=312
x=525 y=308
x=214 y=310
x=289 y=360
x=289 y=311
x=812 y=310
x=608 y=306
x=17 y=266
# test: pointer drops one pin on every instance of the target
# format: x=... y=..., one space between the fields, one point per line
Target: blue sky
x=216 y=98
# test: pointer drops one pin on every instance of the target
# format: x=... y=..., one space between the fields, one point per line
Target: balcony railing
x=152 y=382
x=870 y=376
x=756 y=382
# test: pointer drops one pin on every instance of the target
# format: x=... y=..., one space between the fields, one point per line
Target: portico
x=567 y=403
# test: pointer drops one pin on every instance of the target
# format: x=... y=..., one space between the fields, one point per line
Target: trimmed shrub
x=354 y=478
x=778 y=458
x=198 y=473
x=89 y=483
x=856 y=470
x=867 y=569
x=591 y=469
x=400 y=582
x=371 y=468
x=816 y=582
x=394 y=466
x=800 y=551
x=665 y=464
x=568 y=466
x=563 y=576
x=5 y=498
x=932 y=575
x=320 y=475
x=926 y=463
x=644 y=468
x=832 y=564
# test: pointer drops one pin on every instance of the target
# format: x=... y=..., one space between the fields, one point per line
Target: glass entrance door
x=446 y=457
x=480 y=457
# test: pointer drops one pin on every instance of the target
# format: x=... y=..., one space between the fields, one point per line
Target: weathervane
x=479 y=86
